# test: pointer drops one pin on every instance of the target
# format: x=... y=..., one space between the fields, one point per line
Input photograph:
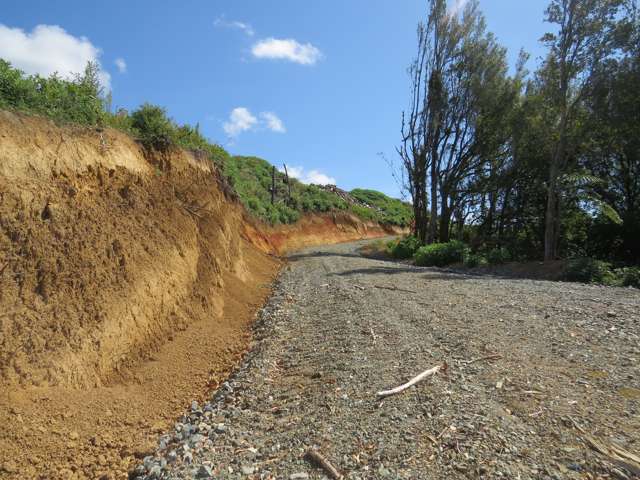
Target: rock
x=172 y=456
x=247 y=469
x=299 y=476
x=204 y=472
x=74 y=435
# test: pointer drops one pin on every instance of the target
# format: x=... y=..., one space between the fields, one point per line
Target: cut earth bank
x=128 y=287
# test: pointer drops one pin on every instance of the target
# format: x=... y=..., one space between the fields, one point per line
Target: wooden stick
x=395 y=289
x=413 y=381
x=315 y=457
x=488 y=357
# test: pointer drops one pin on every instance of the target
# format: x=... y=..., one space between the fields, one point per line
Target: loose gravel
x=527 y=362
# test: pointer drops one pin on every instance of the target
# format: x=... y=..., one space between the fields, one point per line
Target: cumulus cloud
x=48 y=49
x=121 y=65
x=240 y=120
x=286 y=49
x=272 y=122
x=243 y=27
x=312 y=176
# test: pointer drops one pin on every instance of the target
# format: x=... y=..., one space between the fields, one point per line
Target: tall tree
x=582 y=42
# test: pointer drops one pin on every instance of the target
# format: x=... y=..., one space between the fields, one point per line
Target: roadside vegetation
x=82 y=101
x=526 y=166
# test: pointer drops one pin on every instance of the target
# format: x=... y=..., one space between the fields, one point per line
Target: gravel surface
x=554 y=364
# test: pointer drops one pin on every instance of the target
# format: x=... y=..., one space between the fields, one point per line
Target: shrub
x=629 y=276
x=473 y=260
x=499 y=255
x=154 y=128
x=404 y=248
x=589 y=270
x=441 y=254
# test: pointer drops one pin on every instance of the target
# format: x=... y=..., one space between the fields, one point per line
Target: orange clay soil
x=128 y=286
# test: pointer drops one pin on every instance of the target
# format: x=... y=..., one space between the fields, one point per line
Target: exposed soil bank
x=128 y=284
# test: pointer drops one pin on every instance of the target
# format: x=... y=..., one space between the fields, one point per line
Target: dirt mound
x=128 y=284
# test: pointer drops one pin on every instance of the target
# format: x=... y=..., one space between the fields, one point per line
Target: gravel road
x=535 y=370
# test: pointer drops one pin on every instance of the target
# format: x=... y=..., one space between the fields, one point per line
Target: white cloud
x=456 y=6
x=244 y=27
x=48 y=49
x=273 y=122
x=240 y=121
x=312 y=176
x=287 y=49
x=121 y=65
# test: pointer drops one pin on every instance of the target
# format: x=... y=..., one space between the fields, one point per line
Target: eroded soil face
x=528 y=363
x=127 y=288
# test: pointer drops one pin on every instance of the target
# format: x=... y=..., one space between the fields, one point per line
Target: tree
x=583 y=41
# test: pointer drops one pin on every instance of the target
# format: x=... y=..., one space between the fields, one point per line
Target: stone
x=204 y=472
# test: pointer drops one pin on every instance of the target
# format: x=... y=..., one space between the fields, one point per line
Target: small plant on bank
x=404 y=248
x=441 y=254
x=473 y=260
x=498 y=256
x=589 y=270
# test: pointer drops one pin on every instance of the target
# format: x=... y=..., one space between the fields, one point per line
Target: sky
x=319 y=86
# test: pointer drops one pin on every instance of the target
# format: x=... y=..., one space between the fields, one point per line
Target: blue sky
x=317 y=85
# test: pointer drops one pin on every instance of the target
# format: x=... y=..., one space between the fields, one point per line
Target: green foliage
x=498 y=256
x=629 y=276
x=153 y=127
x=441 y=254
x=392 y=210
x=404 y=248
x=251 y=178
x=473 y=260
x=78 y=100
x=589 y=270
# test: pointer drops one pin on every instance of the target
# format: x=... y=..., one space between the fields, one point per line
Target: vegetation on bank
x=81 y=100
x=460 y=254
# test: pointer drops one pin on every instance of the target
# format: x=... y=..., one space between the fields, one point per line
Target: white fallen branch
x=413 y=381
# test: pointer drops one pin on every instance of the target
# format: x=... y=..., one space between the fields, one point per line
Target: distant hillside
x=251 y=178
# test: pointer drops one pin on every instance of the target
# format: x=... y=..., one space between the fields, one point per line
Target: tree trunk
x=433 y=220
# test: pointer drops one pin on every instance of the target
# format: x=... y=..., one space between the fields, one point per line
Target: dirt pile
x=128 y=284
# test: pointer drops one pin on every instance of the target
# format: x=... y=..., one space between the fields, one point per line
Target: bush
x=441 y=254
x=589 y=270
x=404 y=248
x=78 y=100
x=498 y=256
x=629 y=276
x=473 y=260
x=154 y=128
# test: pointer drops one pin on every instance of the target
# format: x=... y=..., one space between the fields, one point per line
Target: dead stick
x=413 y=381
x=319 y=460
x=395 y=289
x=489 y=357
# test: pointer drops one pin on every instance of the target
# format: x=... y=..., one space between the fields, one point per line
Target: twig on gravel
x=396 y=289
x=616 y=454
x=315 y=457
x=482 y=359
x=359 y=287
x=414 y=380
